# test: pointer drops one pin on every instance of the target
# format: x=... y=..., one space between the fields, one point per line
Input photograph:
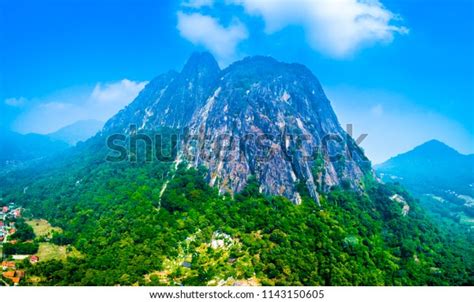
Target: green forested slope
x=130 y=230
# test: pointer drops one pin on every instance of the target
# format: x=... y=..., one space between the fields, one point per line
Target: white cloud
x=119 y=92
x=197 y=3
x=48 y=114
x=337 y=28
x=206 y=31
x=16 y=102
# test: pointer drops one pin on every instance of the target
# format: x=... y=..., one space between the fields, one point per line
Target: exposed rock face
x=273 y=120
x=257 y=117
x=171 y=99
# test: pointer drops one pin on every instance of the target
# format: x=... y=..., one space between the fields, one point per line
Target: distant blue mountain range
x=16 y=148
x=78 y=131
x=440 y=176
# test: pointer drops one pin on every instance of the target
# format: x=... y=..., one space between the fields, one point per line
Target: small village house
x=8 y=265
x=34 y=259
x=14 y=276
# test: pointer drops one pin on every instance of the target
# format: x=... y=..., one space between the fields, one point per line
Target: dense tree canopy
x=137 y=222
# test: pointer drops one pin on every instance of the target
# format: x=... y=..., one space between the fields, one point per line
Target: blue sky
x=400 y=71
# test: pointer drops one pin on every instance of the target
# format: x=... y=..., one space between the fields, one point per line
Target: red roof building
x=5 y=209
x=9 y=275
x=14 y=276
x=8 y=264
x=34 y=259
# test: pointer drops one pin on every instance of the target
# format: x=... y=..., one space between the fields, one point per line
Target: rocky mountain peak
x=273 y=121
x=257 y=118
x=171 y=99
x=200 y=64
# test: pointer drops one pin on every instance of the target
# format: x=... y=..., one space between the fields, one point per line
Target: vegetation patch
x=49 y=251
x=43 y=228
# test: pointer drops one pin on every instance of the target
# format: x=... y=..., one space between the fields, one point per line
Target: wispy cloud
x=16 y=102
x=207 y=31
x=336 y=28
x=377 y=110
x=45 y=115
x=117 y=93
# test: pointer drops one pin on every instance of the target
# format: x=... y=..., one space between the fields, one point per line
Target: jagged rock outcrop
x=171 y=99
x=272 y=120
x=257 y=117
